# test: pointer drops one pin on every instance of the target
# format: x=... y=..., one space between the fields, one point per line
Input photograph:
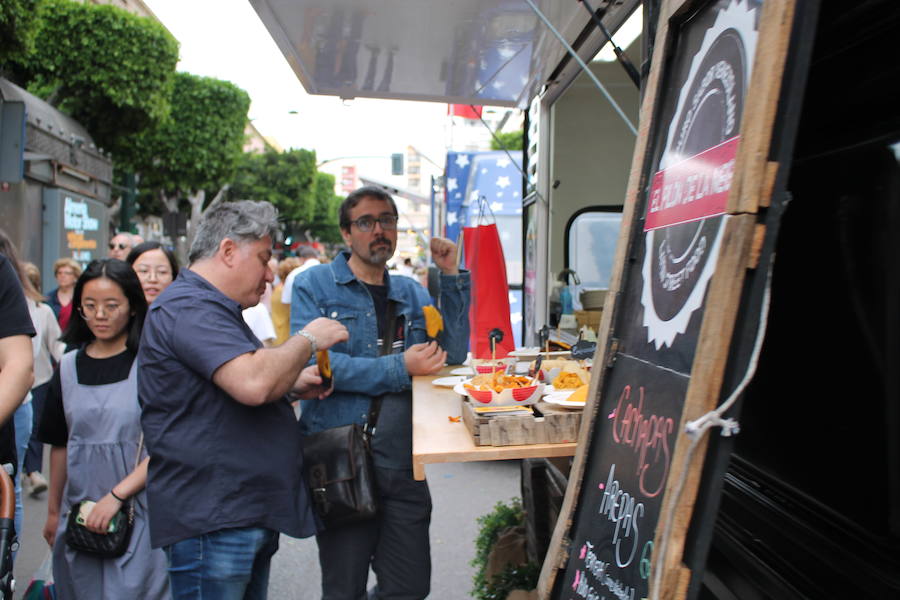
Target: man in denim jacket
x=356 y=290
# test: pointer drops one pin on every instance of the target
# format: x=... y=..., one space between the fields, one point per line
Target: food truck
x=741 y=434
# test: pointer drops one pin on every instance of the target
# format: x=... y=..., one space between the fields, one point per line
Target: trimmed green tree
x=325 y=224
x=286 y=179
x=194 y=150
x=109 y=69
x=18 y=28
x=509 y=140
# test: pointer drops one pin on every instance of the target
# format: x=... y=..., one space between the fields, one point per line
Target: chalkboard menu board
x=677 y=288
x=621 y=501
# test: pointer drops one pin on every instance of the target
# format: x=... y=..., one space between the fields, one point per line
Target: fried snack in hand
x=324 y=362
x=434 y=322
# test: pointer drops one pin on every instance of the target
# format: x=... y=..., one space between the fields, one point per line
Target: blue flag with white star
x=471 y=175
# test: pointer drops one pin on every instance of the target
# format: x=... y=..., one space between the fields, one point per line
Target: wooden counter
x=438 y=440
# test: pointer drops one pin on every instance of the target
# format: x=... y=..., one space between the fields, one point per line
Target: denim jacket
x=332 y=291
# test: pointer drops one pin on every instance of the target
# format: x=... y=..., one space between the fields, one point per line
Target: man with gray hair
x=225 y=467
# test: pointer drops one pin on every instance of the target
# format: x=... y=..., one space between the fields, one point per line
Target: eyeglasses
x=91 y=311
x=367 y=222
x=120 y=245
x=160 y=272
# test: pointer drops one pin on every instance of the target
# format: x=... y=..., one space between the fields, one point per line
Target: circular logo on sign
x=679 y=260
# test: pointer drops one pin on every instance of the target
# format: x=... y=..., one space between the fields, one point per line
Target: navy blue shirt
x=214 y=463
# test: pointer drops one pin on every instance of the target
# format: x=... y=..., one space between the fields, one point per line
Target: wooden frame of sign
x=688 y=240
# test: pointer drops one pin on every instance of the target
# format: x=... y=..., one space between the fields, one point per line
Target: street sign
x=396 y=164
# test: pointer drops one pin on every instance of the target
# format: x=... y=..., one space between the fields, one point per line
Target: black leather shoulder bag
x=337 y=462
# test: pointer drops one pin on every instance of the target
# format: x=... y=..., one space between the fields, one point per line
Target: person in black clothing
x=16 y=356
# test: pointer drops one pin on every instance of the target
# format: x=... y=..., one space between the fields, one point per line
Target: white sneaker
x=38 y=483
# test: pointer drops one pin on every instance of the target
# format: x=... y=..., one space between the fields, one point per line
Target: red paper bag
x=490 y=291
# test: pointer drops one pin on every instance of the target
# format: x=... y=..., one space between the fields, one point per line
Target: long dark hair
x=120 y=272
x=146 y=247
x=9 y=250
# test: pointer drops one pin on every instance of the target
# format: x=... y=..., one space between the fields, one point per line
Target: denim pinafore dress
x=104 y=432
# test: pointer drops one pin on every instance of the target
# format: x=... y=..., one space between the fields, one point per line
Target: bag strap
x=137 y=459
x=387 y=345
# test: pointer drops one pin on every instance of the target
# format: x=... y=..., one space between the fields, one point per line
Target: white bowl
x=508 y=397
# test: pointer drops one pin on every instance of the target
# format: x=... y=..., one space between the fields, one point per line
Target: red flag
x=465 y=111
x=490 y=291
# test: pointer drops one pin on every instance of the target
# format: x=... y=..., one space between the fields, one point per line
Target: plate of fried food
x=569 y=380
x=499 y=389
x=564 y=375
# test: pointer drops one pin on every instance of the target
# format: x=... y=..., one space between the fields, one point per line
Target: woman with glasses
x=156 y=267
x=92 y=421
x=66 y=270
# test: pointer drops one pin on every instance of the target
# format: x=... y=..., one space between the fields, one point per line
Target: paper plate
x=549 y=389
x=532 y=352
x=562 y=399
x=448 y=381
x=466 y=371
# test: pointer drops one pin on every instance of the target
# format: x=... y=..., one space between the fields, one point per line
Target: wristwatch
x=312 y=339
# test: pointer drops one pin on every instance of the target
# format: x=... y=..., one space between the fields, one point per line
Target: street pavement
x=461 y=492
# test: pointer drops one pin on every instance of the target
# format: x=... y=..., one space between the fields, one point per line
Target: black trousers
x=395 y=544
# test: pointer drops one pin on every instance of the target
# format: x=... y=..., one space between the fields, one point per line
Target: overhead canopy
x=483 y=52
x=415 y=198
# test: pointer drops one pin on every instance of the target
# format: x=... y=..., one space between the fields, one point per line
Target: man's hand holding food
x=424 y=359
x=327 y=333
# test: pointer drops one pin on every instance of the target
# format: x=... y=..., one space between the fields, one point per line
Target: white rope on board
x=698 y=428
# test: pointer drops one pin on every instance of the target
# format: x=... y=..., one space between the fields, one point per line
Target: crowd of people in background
x=135 y=357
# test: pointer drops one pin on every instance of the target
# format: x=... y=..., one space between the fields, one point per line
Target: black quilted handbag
x=104 y=545
x=108 y=545
x=338 y=468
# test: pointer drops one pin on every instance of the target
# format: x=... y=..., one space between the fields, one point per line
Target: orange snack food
x=324 y=362
x=580 y=395
x=498 y=381
x=567 y=381
x=434 y=322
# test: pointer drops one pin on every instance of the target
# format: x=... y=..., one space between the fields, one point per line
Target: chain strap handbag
x=104 y=545
x=337 y=462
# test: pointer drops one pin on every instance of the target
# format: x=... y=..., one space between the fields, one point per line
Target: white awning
x=482 y=52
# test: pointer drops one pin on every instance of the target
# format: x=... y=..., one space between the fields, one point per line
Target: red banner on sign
x=696 y=188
